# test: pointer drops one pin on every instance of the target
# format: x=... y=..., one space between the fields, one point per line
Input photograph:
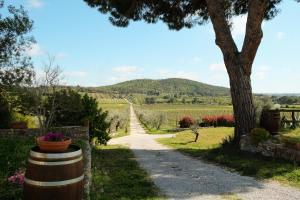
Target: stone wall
x=74 y=132
x=270 y=149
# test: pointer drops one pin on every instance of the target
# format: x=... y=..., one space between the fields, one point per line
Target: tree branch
x=222 y=30
x=254 y=33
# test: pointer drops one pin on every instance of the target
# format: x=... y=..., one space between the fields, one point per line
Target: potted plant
x=53 y=142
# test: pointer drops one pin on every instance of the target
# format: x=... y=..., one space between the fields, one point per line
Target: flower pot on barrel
x=270 y=120
x=53 y=142
x=54 y=170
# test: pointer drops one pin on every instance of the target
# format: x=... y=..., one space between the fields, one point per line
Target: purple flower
x=54 y=137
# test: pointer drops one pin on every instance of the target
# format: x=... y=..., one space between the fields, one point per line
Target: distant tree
x=195 y=100
x=188 y=13
x=150 y=100
x=171 y=100
x=288 y=100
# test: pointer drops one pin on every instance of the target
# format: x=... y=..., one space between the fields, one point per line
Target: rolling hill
x=165 y=86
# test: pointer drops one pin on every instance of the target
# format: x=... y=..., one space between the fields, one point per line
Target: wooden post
x=293 y=119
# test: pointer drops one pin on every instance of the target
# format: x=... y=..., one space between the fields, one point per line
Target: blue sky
x=92 y=52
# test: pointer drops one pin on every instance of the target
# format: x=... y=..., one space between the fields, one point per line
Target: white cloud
x=218 y=67
x=280 y=35
x=35 y=3
x=261 y=72
x=35 y=50
x=126 y=69
x=76 y=74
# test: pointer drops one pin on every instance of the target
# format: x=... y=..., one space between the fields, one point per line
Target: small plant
x=54 y=137
x=258 y=135
x=186 y=122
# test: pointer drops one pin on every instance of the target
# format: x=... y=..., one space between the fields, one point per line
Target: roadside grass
x=292 y=134
x=121 y=133
x=209 y=148
x=117 y=175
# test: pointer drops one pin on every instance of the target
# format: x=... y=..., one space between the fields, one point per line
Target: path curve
x=182 y=177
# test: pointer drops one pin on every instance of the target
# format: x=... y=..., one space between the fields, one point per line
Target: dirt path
x=182 y=177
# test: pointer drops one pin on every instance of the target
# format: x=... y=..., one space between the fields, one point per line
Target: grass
x=292 y=135
x=116 y=175
x=121 y=133
x=209 y=148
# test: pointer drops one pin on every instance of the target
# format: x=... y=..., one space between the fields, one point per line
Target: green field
x=174 y=112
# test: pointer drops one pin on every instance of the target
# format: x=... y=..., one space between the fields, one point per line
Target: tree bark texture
x=239 y=64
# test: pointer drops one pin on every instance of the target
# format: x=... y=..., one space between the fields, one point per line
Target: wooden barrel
x=54 y=176
x=270 y=120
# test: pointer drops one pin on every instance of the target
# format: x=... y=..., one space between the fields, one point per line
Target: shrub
x=209 y=120
x=258 y=135
x=218 y=120
x=186 y=122
x=225 y=120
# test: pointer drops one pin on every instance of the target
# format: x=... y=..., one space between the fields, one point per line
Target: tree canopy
x=15 y=63
x=177 y=14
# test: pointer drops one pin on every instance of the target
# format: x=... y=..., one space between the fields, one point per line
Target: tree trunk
x=239 y=63
x=242 y=101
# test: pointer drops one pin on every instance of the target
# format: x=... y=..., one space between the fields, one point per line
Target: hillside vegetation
x=165 y=86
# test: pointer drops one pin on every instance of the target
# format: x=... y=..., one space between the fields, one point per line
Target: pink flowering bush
x=218 y=120
x=186 y=122
x=17 y=178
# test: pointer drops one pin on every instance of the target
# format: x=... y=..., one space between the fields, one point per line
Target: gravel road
x=182 y=177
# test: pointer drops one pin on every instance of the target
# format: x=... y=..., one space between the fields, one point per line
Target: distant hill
x=165 y=86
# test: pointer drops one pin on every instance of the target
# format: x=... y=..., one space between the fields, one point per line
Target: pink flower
x=17 y=178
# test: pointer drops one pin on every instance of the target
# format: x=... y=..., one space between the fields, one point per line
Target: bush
x=258 y=135
x=186 y=122
x=97 y=118
x=218 y=120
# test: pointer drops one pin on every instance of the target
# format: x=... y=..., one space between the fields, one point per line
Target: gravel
x=182 y=177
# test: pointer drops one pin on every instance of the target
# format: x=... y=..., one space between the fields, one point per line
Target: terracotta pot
x=53 y=146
